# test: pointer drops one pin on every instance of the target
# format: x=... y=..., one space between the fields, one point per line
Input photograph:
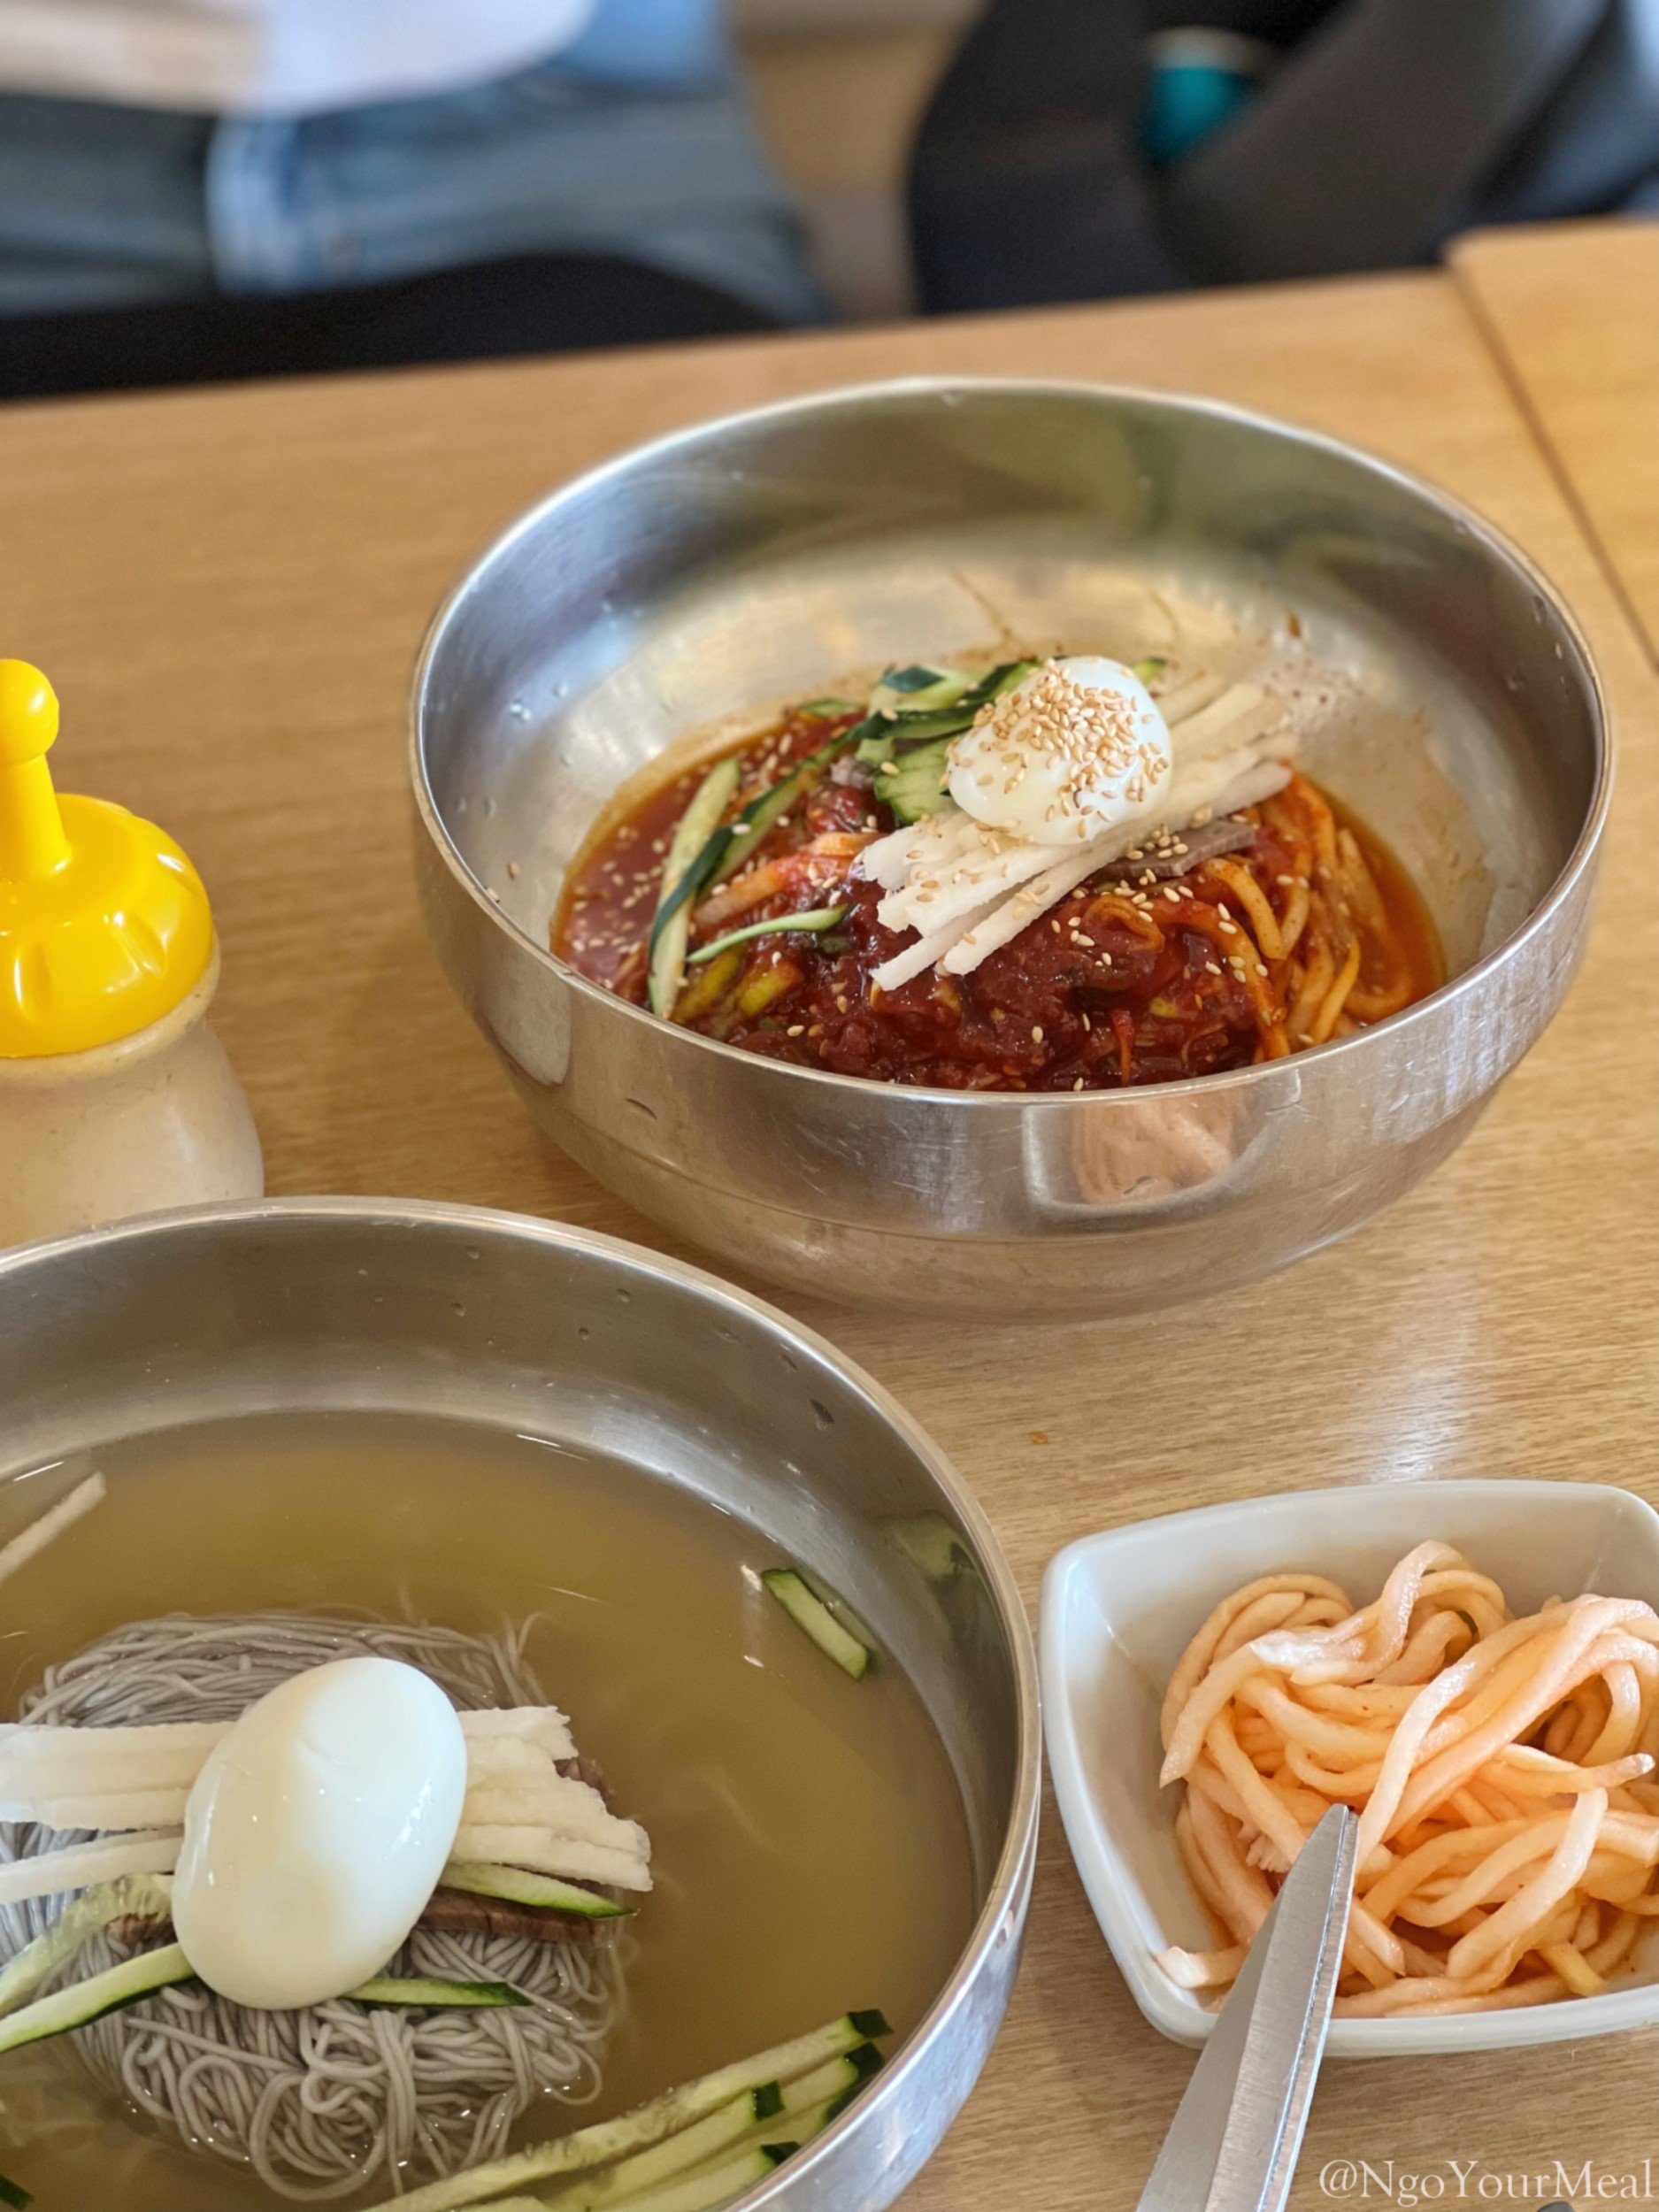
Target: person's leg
x=549 y=161
x=100 y=206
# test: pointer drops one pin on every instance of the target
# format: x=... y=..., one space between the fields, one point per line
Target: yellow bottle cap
x=104 y=925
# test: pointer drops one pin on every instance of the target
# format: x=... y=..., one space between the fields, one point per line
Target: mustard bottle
x=116 y=1098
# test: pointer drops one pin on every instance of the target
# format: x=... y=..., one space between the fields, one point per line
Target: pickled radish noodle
x=1502 y=1770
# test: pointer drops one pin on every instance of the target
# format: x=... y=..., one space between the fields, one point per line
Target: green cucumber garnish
x=815 y=918
x=808 y=1612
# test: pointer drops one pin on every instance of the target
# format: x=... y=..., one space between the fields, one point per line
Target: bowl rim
x=1009 y=1879
x=1101 y=1861
x=1496 y=542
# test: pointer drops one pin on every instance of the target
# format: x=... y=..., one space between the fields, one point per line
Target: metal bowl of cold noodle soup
x=693 y=588
x=539 y=1464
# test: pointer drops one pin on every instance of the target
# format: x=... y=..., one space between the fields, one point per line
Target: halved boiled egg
x=1078 y=747
x=316 y=1832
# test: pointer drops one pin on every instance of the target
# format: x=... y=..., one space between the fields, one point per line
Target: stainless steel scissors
x=1232 y=2145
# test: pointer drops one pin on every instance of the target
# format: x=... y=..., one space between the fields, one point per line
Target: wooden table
x=228 y=591
x=1573 y=313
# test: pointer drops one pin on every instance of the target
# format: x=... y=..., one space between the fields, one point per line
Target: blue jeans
x=104 y=206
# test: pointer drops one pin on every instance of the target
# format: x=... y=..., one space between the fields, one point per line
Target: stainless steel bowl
x=488 y=1318
x=758 y=558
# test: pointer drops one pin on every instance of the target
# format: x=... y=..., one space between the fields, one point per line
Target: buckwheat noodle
x=321 y=2101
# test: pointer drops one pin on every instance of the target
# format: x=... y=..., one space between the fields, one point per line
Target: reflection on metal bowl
x=753 y=560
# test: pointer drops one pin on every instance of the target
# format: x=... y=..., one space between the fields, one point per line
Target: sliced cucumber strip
x=889 y=728
x=83 y=2002
x=729 y=844
x=648 y=2123
x=932 y=1543
x=809 y=1611
x=814 y=919
x=996 y=681
x=83 y=1918
x=692 y=2147
x=920 y=688
x=762 y=814
x=914 y=784
x=713 y=2186
x=688 y=852
x=832 y=2085
x=1149 y=668
x=519 y=1887
x=429 y=1989
x=13 y=2193
x=837 y=1607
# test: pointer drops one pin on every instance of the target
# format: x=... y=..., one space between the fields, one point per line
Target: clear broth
x=810 y=1850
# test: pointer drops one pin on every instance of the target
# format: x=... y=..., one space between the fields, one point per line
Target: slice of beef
x=455 y=1912
x=463 y=1912
x=1157 y=861
x=588 y=1770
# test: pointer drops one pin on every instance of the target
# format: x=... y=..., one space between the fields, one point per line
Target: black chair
x=1382 y=128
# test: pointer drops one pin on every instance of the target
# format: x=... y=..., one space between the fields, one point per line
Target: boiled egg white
x=316 y=1832
x=1078 y=747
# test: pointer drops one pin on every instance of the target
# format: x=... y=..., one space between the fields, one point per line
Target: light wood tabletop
x=1573 y=311
x=228 y=591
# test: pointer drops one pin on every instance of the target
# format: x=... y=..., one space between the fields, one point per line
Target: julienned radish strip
x=51 y=1524
x=83 y=2002
x=686 y=861
x=534 y=1848
x=147 y=1895
x=647 y=2124
x=768 y=2108
x=52 y=1760
x=544 y=1798
x=519 y=1887
x=138 y=1779
x=79 y=1864
x=815 y=918
x=809 y=1611
x=121 y=1810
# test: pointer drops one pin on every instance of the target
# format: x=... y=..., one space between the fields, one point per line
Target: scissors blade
x=1232 y=2145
